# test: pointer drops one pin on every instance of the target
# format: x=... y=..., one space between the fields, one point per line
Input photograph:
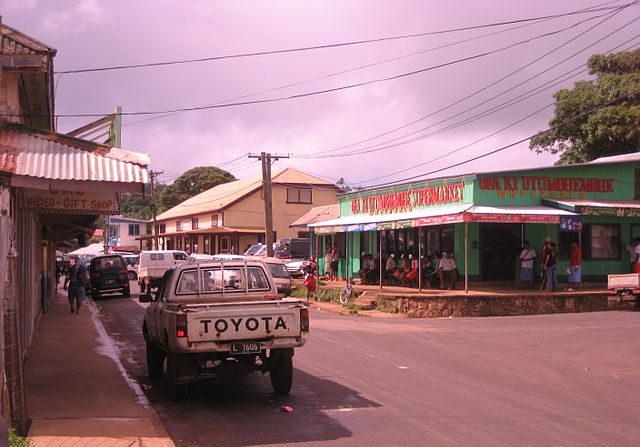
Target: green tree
x=191 y=183
x=136 y=205
x=611 y=130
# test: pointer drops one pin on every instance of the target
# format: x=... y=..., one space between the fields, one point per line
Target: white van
x=154 y=264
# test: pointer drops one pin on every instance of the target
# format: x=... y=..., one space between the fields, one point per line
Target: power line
x=325 y=91
x=560 y=79
x=324 y=154
x=510 y=145
x=346 y=71
x=333 y=45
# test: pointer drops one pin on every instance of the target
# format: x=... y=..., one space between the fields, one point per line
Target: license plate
x=110 y=281
x=245 y=348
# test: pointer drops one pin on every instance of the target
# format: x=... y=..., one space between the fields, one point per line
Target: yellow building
x=230 y=217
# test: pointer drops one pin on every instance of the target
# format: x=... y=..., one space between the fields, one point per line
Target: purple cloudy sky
x=93 y=33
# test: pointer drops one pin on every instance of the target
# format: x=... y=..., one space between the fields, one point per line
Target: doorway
x=499 y=249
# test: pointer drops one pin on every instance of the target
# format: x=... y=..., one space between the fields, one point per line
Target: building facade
x=125 y=233
x=53 y=187
x=230 y=217
x=484 y=218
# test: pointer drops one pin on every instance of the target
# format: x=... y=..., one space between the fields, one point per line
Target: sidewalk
x=77 y=391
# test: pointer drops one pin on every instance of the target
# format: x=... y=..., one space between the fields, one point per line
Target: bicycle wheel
x=345 y=294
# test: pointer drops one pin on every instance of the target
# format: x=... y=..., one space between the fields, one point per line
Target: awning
x=516 y=214
x=444 y=215
x=435 y=215
x=617 y=208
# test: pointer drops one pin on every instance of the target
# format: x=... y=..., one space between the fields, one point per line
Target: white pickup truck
x=625 y=286
x=221 y=319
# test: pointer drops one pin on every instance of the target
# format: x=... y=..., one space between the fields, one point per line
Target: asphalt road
x=562 y=380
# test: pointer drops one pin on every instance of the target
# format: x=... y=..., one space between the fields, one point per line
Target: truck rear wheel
x=177 y=391
x=281 y=373
x=155 y=361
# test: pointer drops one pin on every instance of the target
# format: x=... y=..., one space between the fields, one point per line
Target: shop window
x=224 y=244
x=134 y=229
x=214 y=220
x=162 y=228
x=299 y=195
x=194 y=223
x=599 y=242
x=178 y=225
x=206 y=245
x=604 y=241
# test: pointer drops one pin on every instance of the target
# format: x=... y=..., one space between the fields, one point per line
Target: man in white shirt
x=447 y=269
x=527 y=258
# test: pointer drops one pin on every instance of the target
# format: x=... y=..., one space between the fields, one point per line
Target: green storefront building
x=483 y=219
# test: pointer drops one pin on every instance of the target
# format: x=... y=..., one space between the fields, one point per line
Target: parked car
x=197 y=258
x=227 y=257
x=154 y=264
x=132 y=262
x=292 y=248
x=278 y=270
x=108 y=274
x=256 y=250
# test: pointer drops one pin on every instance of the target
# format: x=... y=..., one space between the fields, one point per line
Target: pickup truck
x=625 y=286
x=221 y=319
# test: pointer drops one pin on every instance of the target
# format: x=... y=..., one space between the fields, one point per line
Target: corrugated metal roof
x=57 y=157
x=318 y=214
x=221 y=196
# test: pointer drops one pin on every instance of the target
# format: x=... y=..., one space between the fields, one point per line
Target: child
x=310 y=283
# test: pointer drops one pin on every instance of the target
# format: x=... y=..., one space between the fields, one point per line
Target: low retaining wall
x=420 y=306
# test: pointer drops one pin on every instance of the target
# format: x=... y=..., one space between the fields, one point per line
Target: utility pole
x=154 y=230
x=266 y=159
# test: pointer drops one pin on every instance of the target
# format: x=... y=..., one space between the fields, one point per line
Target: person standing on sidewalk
x=551 y=257
x=527 y=258
x=574 y=270
x=75 y=285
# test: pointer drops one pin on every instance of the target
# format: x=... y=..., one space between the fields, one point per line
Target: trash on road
x=286 y=409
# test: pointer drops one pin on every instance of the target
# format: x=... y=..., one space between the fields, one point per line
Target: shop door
x=499 y=250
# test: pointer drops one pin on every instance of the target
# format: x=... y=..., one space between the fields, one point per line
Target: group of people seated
x=437 y=271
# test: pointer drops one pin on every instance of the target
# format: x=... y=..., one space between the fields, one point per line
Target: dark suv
x=109 y=274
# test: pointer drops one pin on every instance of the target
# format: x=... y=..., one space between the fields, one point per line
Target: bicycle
x=348 y=292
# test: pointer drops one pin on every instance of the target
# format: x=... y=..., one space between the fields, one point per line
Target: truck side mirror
x=146 y=298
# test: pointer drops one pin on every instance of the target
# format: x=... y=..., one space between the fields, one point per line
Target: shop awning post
x=380 y=251
x=466 y=257
x=419 y=259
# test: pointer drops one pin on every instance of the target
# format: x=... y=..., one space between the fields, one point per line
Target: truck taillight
x=304 y=320
x=181 y=326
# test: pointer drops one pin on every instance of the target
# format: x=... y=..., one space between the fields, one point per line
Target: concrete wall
x=483 y=306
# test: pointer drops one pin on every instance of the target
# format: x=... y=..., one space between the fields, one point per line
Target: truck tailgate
x=624 y=281
x=243 y=321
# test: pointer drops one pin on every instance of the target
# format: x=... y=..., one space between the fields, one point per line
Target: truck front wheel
x=155 y=360
x=281 y=373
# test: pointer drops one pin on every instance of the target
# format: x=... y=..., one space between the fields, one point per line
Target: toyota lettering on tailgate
x=252 y=324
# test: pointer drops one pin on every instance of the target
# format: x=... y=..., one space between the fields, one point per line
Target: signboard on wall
x=69 y=202
x=545 y=187
x=405 y=201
